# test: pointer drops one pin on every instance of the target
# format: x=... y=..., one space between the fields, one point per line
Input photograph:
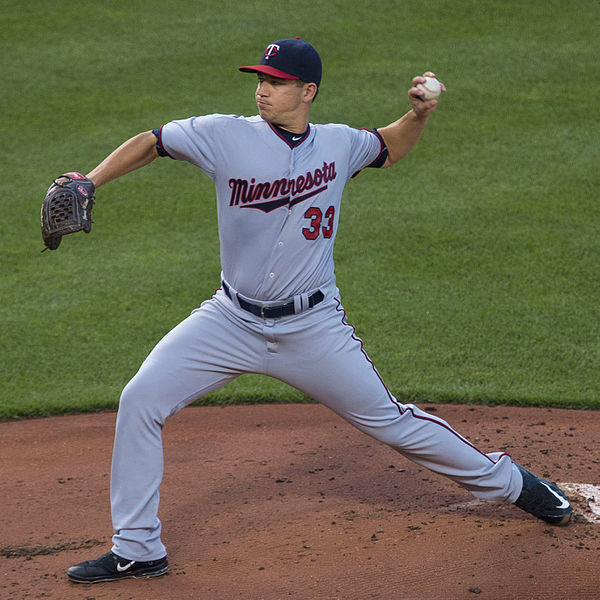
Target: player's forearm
x=133 y=154
x=401 y=136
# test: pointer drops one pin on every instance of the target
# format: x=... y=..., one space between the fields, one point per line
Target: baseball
x=432 y=88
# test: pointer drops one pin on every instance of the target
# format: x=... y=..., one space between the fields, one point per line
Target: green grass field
x=471 y=269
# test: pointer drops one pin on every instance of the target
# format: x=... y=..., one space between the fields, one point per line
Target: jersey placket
x=279 y=243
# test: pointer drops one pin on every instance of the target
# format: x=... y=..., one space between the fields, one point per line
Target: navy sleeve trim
x=159 y=145
x=383 y=154
x=381 y=157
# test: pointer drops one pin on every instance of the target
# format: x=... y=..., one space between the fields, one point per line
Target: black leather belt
x=273 y=312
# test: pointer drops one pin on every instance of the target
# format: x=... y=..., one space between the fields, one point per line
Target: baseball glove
x=67 y=208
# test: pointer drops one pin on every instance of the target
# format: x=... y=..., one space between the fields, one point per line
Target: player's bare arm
x=67 y=206
x=402 y=135
x=135 y=153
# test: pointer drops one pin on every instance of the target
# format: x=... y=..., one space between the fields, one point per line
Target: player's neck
x=296 y=127
x=295 y=122
x=290 y=130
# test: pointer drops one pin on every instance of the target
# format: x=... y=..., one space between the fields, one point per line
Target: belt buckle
x=262 y=311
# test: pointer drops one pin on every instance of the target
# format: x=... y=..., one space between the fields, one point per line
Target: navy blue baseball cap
x=291 y=58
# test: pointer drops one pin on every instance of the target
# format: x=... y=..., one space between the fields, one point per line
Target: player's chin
x=266 y=115
x=263 y=108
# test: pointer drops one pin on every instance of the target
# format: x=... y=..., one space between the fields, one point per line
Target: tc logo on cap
x=272 y=50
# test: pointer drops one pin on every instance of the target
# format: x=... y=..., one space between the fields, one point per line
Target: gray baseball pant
x=316 y=352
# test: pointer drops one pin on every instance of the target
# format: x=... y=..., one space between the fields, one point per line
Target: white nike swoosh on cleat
x=564 y=503
x=125 y=567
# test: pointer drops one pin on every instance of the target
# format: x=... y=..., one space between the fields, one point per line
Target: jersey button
x=271 y=275
x=281 y=243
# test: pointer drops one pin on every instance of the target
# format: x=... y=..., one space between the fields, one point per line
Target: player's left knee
x=139 y=400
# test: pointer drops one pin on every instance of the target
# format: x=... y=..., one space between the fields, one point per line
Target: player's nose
x=262 y=89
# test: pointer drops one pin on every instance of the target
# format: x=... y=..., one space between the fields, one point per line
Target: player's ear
x=310 y=91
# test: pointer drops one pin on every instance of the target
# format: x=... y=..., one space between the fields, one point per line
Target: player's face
x=279 y=101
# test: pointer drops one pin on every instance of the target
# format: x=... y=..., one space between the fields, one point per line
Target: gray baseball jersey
x=278 y=199
x=278 y=204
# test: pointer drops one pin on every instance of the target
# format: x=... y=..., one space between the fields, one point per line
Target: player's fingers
x=421 y=78
x=416 y=93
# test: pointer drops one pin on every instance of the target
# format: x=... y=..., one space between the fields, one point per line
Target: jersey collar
x=291 y=139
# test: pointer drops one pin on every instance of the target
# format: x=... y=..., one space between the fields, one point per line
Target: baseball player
x=279 y=181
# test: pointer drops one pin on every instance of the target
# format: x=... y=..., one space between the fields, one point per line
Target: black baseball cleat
x=543 y=499
x=111 y=567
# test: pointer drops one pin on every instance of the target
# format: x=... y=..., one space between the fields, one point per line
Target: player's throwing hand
x=424 y=102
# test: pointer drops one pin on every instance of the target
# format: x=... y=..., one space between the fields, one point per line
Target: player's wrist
x=93 y=179
x=419 y=115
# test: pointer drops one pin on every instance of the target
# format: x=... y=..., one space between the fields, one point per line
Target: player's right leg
x=204 y=352
x=327 y=361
